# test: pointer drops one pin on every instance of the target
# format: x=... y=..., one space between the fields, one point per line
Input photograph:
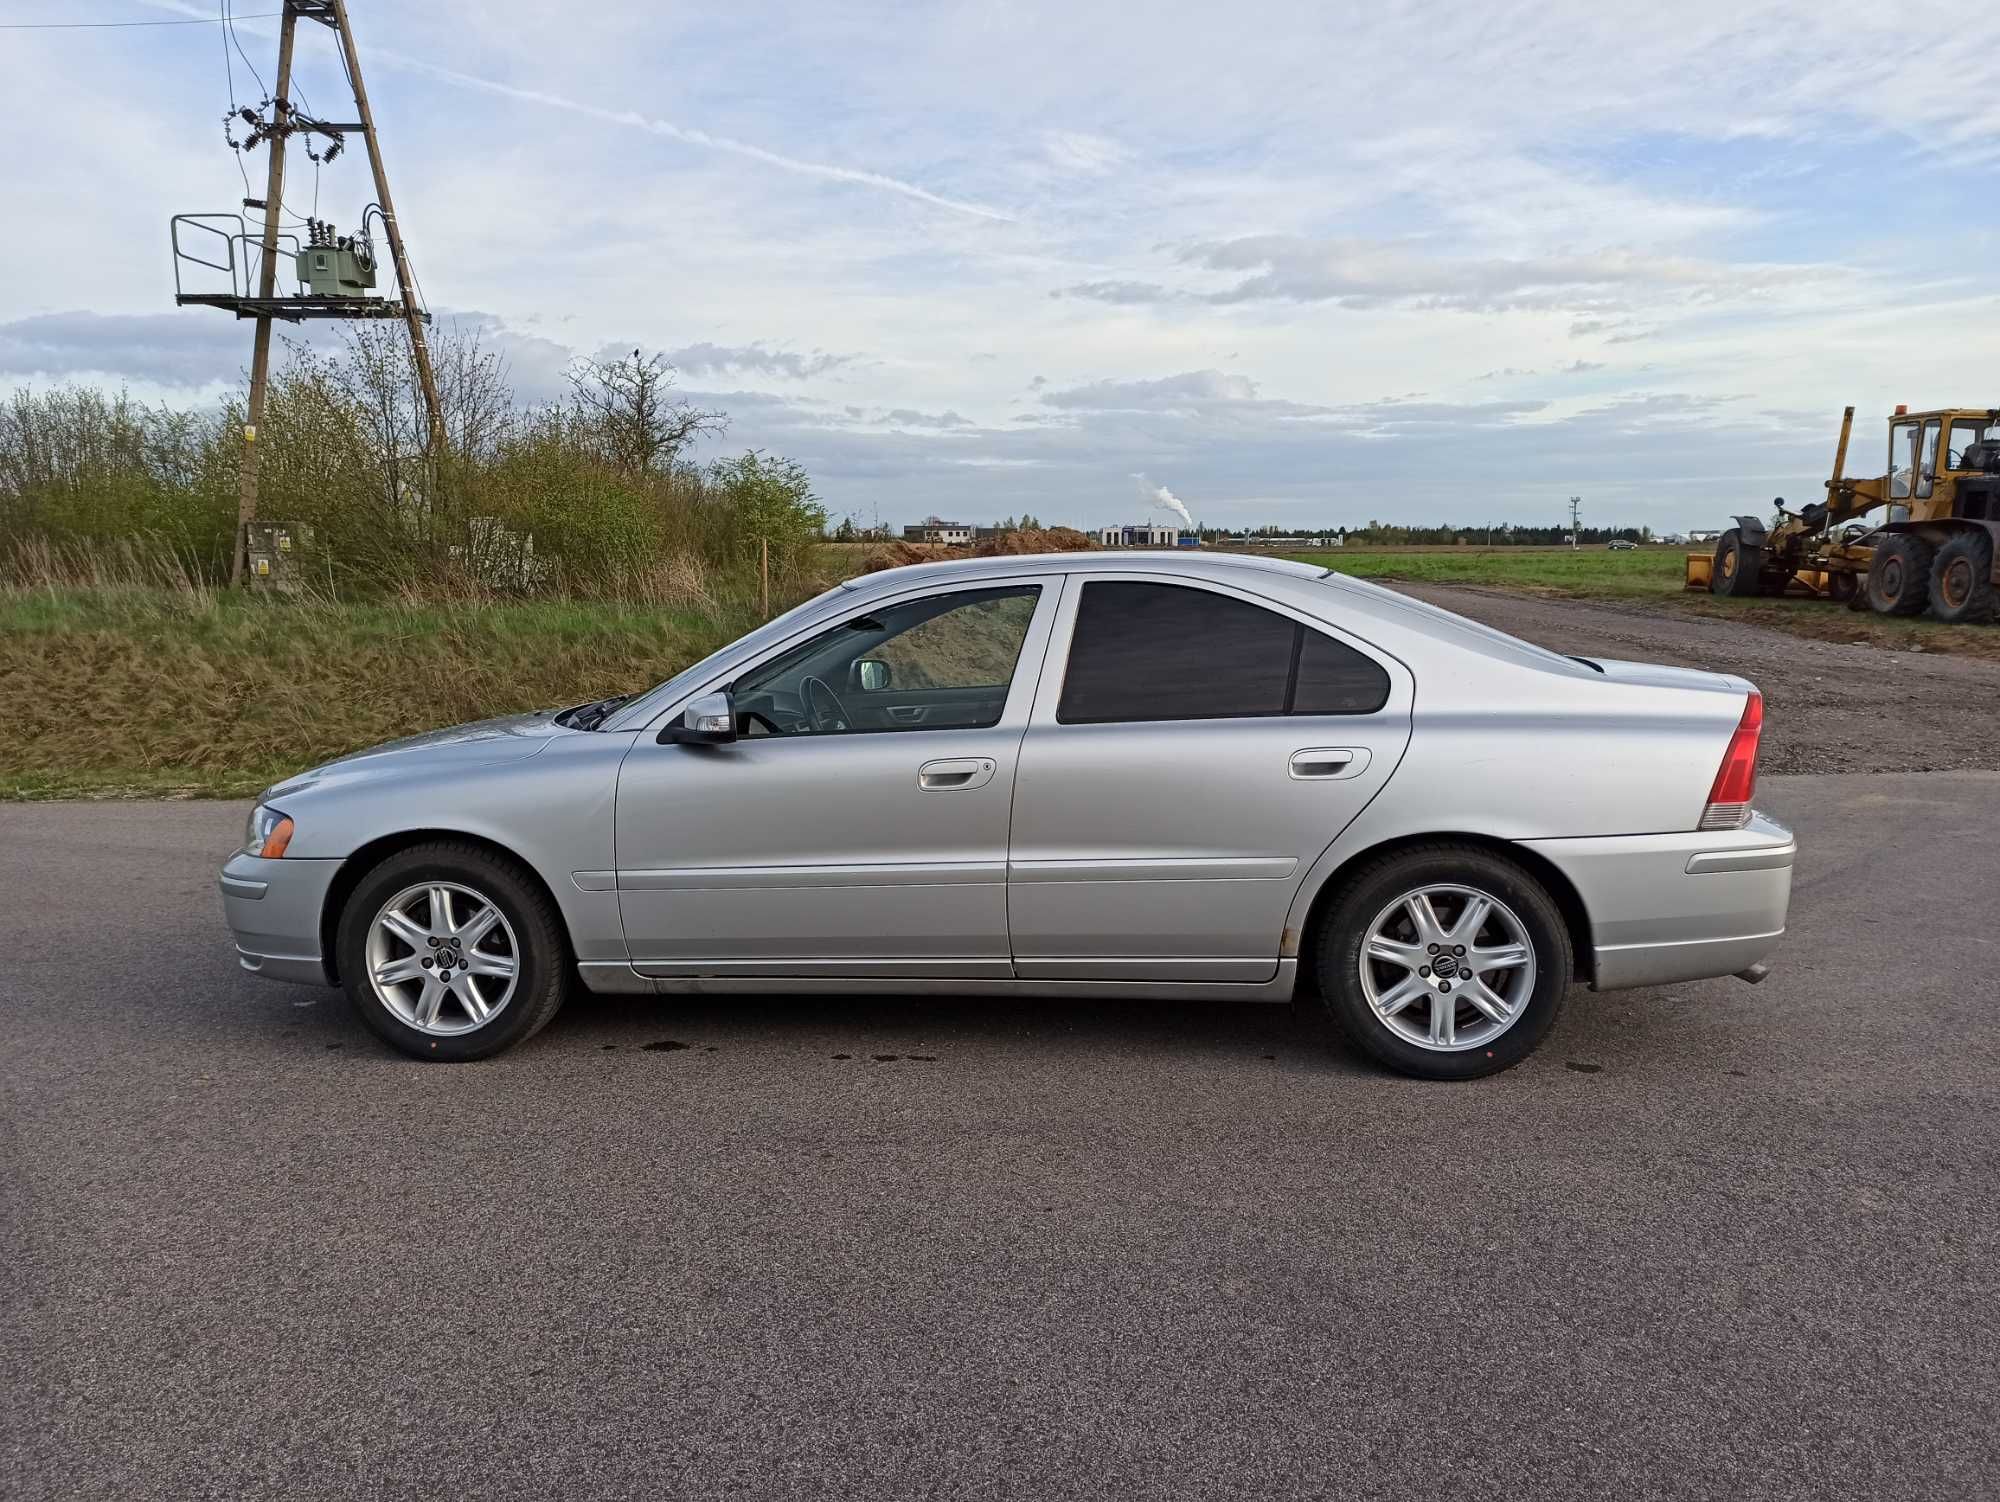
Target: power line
x=229 y=27
x=262 y=15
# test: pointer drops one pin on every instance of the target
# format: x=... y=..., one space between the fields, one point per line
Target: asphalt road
x=1714 y=1241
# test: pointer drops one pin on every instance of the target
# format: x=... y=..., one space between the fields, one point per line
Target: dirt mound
x=1007 y=544
x=1035 y=540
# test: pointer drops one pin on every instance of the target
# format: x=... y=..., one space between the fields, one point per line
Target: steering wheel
x=823 y=707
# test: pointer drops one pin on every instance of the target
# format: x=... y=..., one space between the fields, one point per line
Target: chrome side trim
x=595 y=881
x=1232 y=971
x=778 y=878
x=859 y=967
x=1705 y=862
x=1156 y=868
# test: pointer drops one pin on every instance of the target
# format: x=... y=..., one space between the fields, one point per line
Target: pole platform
x=297 y=309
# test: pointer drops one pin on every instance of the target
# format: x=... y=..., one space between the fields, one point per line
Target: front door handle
x=1328 y=763
x=955 y=774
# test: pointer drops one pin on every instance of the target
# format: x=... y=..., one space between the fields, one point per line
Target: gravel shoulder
x=1831 y=706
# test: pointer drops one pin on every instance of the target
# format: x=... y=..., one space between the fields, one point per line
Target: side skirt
x=618 y=978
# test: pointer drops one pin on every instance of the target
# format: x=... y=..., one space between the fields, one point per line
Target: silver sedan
x=1133 y=774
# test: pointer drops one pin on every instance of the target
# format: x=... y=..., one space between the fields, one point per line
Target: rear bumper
x=273 y=909
x=1675 y=907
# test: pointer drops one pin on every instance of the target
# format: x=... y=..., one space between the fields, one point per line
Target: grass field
x=1594 y=572
x=158 y=692
x=192 y=692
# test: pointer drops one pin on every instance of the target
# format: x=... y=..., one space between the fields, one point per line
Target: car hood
x=508 y=738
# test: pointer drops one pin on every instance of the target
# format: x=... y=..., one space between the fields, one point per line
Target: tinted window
x=1335 y=679
x=1164 y=652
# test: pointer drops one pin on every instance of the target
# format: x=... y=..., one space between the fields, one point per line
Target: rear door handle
x=955 y=774
x=1328 y=763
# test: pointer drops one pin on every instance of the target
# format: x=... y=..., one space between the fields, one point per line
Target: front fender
x=1752 y=530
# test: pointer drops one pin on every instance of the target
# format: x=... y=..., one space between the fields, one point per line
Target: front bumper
x=1675 y=907
x=273 y=908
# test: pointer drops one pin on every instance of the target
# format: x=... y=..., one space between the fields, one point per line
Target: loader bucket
x=1700 y=570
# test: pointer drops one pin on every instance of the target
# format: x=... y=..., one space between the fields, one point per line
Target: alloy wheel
x=1447 y=967
x=442 y=958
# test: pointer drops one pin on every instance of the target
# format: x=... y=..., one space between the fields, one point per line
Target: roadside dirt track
x=1830 y=706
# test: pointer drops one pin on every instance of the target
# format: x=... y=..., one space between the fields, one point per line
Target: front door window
x=1902 y=459
x=944 y=662
x=1927 y=458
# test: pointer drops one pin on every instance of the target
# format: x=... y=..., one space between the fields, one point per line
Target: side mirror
x=709 y=721
x=872 y=675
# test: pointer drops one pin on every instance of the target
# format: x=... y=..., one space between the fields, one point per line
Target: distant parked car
x=1621 y=544
x=1127 y=775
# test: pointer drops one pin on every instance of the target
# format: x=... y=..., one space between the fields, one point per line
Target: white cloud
x=1073 y=248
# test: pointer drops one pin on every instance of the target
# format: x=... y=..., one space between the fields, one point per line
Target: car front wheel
x=450 y=952
x=1444 y=961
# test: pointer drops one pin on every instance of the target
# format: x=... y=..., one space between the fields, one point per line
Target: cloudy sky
x=1306 y=264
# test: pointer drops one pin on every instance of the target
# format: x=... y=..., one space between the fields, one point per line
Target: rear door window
x=1144 y=651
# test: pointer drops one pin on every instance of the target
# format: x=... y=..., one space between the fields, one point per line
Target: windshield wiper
x=590 y=716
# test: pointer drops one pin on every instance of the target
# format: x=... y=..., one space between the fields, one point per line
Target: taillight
x=1736 y=779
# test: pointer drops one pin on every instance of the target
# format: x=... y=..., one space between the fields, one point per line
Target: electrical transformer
x=336 y=266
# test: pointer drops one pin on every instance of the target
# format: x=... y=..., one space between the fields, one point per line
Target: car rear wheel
x=1444 y=961
x=450 y=952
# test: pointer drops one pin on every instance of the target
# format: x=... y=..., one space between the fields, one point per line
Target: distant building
x=1145 y=535
x=934 y=529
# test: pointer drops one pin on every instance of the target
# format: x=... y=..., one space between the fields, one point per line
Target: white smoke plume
x=1159 y=495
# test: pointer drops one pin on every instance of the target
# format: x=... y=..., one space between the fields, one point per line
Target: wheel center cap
x=1445 y=966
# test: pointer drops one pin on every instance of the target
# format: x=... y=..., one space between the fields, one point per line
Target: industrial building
x=1144 y=535
x=935 y=529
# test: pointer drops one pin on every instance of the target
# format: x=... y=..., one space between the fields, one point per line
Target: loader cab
x=1966 y=429
x=1927 y=452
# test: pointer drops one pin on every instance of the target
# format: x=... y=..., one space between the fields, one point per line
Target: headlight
x=268 y=833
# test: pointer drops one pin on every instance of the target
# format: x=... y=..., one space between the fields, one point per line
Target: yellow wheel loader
x=1935 y=548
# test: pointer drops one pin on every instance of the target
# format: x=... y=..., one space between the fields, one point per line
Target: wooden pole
x=412 y=316
x=267 y=287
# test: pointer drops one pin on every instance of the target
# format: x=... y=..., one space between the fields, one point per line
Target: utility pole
x=267 y=288
x=343 y=269
x=420 y=349
x=1575 y=528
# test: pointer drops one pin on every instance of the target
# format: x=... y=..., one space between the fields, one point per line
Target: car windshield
x=636 y=713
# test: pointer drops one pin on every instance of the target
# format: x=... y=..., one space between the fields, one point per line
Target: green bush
x=595 y=496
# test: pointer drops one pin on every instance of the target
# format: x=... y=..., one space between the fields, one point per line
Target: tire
x=1842 y=588
x=1899 y=575
x=528 y=932
x=1739 y=567
x=1961 y=591
x=1406 y=1036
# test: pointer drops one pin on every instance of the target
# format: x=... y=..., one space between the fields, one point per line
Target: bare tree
x=630 y=406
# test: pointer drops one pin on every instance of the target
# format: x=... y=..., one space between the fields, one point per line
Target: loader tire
x=1962 y=580
x=1899 y=575
x=1842 y=588
x=1739 y=568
